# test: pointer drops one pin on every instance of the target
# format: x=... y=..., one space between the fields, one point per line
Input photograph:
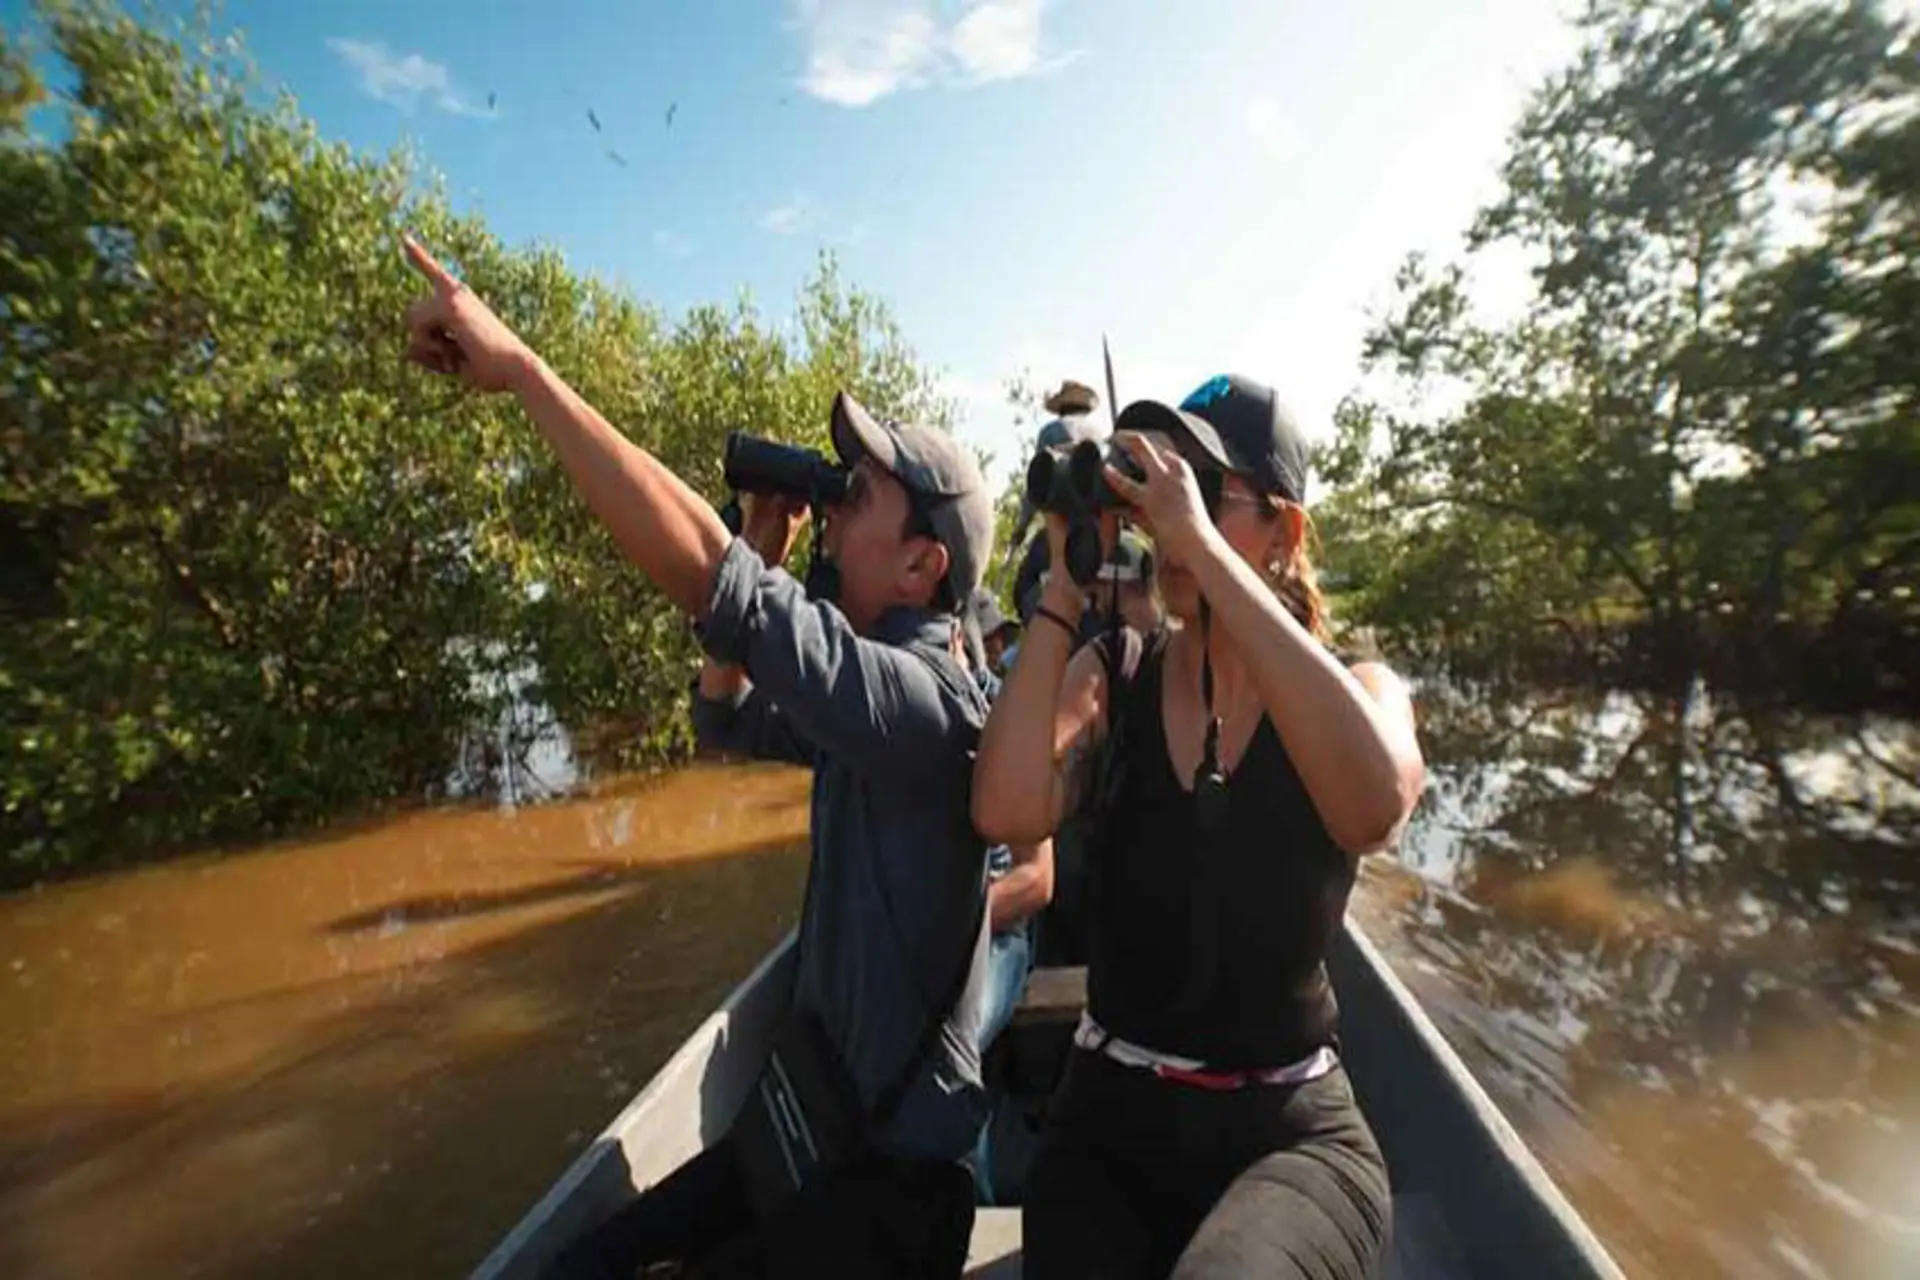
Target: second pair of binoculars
x=1071 y=481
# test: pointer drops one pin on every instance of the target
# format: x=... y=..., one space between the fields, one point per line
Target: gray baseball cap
x=1131 y=560
x=938 y=470
x=988 y=614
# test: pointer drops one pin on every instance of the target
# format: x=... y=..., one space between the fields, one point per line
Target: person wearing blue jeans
x=1010 y=953
x=1021 y=885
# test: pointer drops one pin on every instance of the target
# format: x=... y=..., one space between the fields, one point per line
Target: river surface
x=1681 y=946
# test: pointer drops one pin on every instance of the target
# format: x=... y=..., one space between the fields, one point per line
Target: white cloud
x=859 y=51
x=404 y=80
x=803 y=215
x=672 y=245
x=1000 y=40
x=789 y=218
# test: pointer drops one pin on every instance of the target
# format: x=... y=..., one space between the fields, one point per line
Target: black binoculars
x=756 y=465
x=1072 y=482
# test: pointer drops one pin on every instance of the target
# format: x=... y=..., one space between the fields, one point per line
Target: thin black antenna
x=1113 y=397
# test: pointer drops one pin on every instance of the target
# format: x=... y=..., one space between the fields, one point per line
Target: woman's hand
x=770 y=522
x=1057 y=527
x=1167 y=501
x=451 y=331
x=1061 y=594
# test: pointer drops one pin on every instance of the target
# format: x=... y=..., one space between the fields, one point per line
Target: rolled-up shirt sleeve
x=748 y=724
x=878 y=707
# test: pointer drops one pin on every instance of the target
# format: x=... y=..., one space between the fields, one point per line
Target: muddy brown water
x=368 y=1054
x=1681 y=947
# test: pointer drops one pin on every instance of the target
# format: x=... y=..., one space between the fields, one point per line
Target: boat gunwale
x=503 y=1257
x=1511 y=1145
x=510 y=1255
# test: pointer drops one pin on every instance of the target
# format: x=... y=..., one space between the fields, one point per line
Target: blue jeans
x=1009 y=958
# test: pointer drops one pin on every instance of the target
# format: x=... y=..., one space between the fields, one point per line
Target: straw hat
x=1072 y=397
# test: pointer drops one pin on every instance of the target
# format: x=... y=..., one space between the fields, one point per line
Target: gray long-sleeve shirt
x=889 y=723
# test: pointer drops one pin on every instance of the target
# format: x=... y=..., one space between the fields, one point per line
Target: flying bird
x=593 y=120
x=671 y=108
x=616 y=157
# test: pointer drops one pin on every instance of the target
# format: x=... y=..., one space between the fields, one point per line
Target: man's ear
x=929 y=564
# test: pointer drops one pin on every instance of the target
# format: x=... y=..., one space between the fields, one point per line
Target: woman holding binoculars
x=1232 y=771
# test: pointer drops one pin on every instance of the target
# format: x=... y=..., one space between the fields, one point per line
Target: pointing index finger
x=428 y=265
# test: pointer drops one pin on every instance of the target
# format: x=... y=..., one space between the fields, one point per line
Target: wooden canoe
x=1470 y=1200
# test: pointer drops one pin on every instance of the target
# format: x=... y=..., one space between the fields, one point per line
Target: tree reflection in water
x=1680 y=941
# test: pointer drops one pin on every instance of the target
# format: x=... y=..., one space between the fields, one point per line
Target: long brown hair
x=1299 y=584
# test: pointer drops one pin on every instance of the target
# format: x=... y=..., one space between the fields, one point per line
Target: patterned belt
x=1094 y=1038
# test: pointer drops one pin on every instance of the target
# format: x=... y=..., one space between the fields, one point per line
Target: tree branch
x=188 y=588
x=1517 y=511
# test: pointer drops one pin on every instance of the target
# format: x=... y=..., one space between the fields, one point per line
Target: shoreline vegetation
x=260 y=577
x=261 y=580
x=1694 y=454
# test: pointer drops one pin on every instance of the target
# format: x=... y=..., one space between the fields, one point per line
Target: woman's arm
x=1349 y=733
x=1043 y=724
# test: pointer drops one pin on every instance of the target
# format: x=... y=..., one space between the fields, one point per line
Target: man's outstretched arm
x=658 y=520
x=661 y=524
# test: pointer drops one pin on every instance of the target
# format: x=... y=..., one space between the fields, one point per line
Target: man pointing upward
x=864 y=689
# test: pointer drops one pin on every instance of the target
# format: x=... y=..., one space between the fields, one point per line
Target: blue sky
x=1219 y=184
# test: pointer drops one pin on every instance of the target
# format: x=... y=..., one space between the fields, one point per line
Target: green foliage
x=1701 y=442
x=20 y=90
x=259 y=573
x=1024 y=396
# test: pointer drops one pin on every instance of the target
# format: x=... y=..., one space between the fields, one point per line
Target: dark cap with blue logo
x=1237 y=425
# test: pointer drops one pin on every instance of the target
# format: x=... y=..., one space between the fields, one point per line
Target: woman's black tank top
x=1208 y=947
